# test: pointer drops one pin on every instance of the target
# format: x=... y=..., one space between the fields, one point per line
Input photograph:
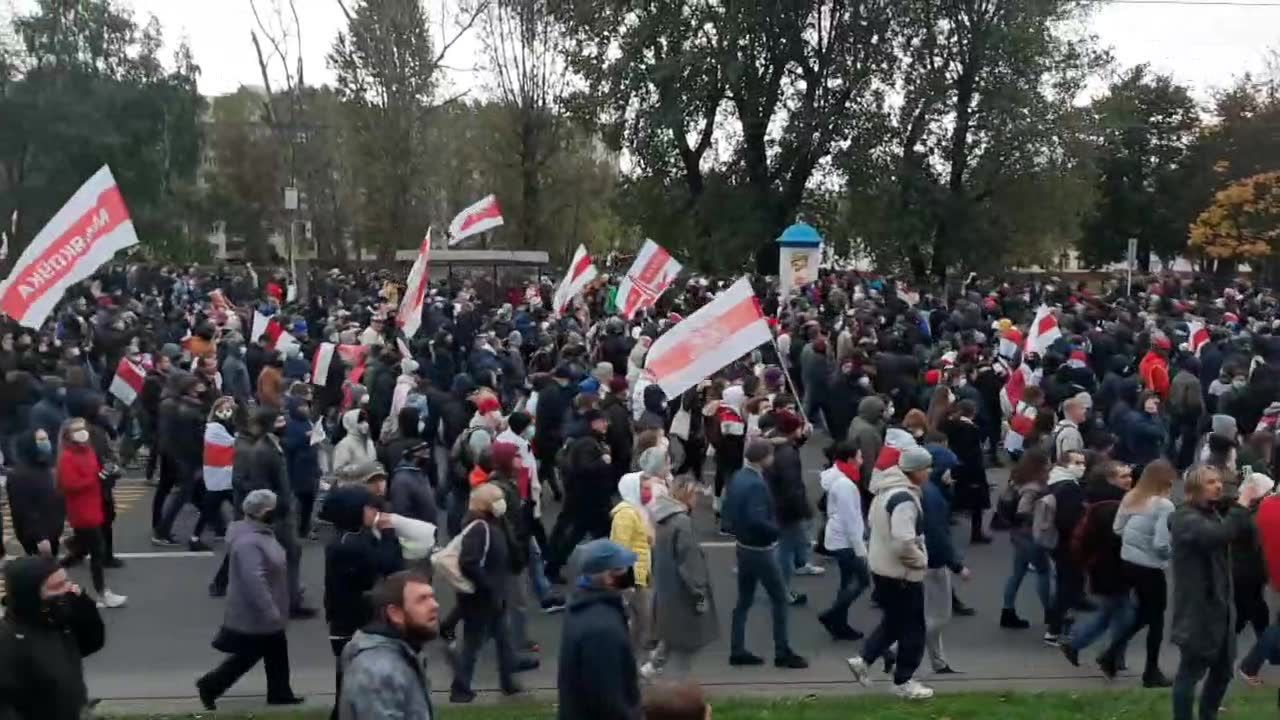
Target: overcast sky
x=1204 y=47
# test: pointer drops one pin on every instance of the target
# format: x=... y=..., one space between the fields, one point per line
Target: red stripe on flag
x=488 y=212
x=737 y=318
x=581 y=266
x=1047 y=323
x=45 y=272
x=216 y=455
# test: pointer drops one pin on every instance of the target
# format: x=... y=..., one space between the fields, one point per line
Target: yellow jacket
x=632 y=531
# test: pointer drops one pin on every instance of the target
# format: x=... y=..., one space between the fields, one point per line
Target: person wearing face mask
x=257 y=607
x=485 y=560
x=49 y=627
x=182 y=420
x=597 y=677
x=1052 y=526
x=356 y=447
x=37 y=507
x=408 y=492
x=219 y=459
x=79 y=475
x=235 y=374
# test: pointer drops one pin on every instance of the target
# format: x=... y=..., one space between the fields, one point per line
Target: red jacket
x=1154 y=371
x=1268 y=522
x=78 y=469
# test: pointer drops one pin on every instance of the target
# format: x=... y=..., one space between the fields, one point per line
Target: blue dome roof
x=800 y=234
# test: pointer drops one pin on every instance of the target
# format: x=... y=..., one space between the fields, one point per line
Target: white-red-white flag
x=410 y=315
x=127 y=384
x=650 y=275
x=482 y=216
x=1043 y=331
x=1197 y=336
x=219 y=457
x=277 y=338
x=321 y=361
x=581 y=272
x=720 y=332
x=91 y=228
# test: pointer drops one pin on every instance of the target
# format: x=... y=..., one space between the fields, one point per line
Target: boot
x=1009 y=619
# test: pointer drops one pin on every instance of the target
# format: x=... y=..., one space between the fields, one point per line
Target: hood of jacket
x=664 y=507
x=1058 y=474
x=871 y=408
x=344 y=507
x=889 y=479
x=830 y=476
x=351 y=422
x=899 y=439
x=381 y=636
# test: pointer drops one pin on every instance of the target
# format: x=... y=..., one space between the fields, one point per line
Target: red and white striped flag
x=717 y=334
x=219 y=457
x=86 y=233
x=127 y=384
x=322 y=361
x=410 y=315
x=650 y=275
x=1197 y=336
x=277 y=338
x=581 y=272
x=1043 y=331
x=482 y=216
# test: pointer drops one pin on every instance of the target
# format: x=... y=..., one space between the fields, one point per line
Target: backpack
x=564 y=460
x=1044 y=521
x=446 y=561
x=1007 y=506
x=1080 y=536
x=460 y=453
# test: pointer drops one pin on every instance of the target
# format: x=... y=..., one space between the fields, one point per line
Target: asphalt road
x=159 y=643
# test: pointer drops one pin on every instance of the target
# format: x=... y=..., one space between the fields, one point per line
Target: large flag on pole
x=1043 y=331
x=650 y=275
x=275 y=332
x=410 y=315
x=581 y=272
x=91 y=228
x=482 y=216
x=717 y=334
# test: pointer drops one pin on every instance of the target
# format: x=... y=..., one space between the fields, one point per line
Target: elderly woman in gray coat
x=257 y=609
x=685 y=608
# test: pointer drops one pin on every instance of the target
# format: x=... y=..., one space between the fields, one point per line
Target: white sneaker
x=112 y=600
x=912 y=690
x=811 y=569
x=858 y=667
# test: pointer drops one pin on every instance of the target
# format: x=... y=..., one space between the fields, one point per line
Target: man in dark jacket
x=49 y=627
x=619 y=436
x=1203 y=604
x=408 y=491
x=1067 y=491
x=597 y=677
x=550 y=417
x=751 y=515
x=235 y=375
x=182 y=419
x=363 y=551
x=786 y=482
x=303 y=458
x=589 y=487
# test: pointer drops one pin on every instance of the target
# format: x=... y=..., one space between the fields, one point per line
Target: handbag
x=446 y=565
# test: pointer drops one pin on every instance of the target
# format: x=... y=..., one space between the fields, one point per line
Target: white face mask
x=364 y=428
x=500 y=507
x=80 y=436
x=1075 y=471
x=225 y=414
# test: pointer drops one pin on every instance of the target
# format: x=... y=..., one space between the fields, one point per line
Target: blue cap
x=602 y=555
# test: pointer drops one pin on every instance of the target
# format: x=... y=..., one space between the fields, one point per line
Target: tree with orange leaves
x=1243 y=222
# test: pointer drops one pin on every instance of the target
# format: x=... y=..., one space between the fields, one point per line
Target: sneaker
x=947 y=670
x=912 y=690
x=553 y=605
x=799 y=599
x=861 y=673
x=1009 y=620
x=790 y=661
x=112 y=600
x=745 y=659
x=159 y=541
x=197 y=545
x=810 y=569
x=1051 y=639
x=206 y=698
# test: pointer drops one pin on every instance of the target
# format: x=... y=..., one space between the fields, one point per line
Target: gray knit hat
x=653 y=461
x=916 y=458
x=258 y=502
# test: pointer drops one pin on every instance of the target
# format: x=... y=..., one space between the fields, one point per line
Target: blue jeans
x=855 y=578
x=793 y=549
x=538 y=582
x=1266 y=648
x=1115 y=612
x=759 y=566
x=1027 y=554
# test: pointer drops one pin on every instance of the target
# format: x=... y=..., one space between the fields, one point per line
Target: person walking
x=944 y=560
x=301 y=455
x=383 y=674
x=597 y=678
x=1142 y=523
x=1054 y=520
x=216 y=473
x=1202 y=600
x=899 y=560
x=1028 y=480
x=257 y=607
x=80 y=481
x=36 y=505
x=844 y=538
x=364 y=550
x=970 y=488
x=49 y=627
x=181 y=432
x=685 y=618
x=786 y=482
x=633 y=529
x=750 y=513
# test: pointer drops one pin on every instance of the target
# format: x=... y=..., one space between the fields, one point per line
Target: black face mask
x=60 y=609
x=627 y=580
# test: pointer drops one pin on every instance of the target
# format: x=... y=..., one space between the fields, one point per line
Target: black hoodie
x=38 y=510
x=354 y=560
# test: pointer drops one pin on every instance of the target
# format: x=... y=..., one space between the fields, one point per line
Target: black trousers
x=902 y=622
x=1069 y=588
x=246 y=651
x=1251 y=607
x=165 y=486
x=306 y=508
x=89 y=543
x=337 y=644
x=1152 y=591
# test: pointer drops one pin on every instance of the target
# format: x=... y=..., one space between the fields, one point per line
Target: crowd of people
x=1140 y=431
